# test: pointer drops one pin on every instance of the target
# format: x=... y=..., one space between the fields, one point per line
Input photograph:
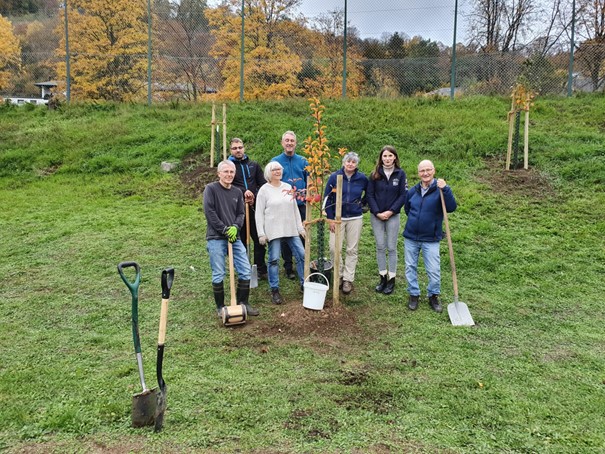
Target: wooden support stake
x=526 y=141
x=308 y=229
x=212 y=123
x=337 y=243
x=511 y=115
x=224 y=131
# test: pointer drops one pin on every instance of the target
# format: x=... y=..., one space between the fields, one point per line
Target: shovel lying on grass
x=458 y=311
x=144 y=403
x=167 y=278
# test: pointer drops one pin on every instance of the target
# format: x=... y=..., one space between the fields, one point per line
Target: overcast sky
x=432 y=19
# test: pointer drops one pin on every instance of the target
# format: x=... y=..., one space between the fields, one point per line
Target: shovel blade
x=160 y=409
x=144 y=407
x=459 y=314
x=254 y=277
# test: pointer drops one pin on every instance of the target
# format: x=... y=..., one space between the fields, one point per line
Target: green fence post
x=344 y=57
x=453 y=63
x=67 y=69
x=149 y=52
x=571 y=50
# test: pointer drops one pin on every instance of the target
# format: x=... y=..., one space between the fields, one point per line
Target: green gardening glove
x=231 y=233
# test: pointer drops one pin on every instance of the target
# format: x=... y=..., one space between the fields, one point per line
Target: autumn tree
x=496 y=25
x=10 y=52
x=323 y=76
x=108 y=47
x=591 y=51
x=184 y=44
x=271 y=67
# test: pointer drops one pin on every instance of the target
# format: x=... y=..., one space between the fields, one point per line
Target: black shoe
x=276 y=297
x=434 y=303
x=263 y=276
x=302 y=288
x=388 y=289
x=251 y=311
x=413 y=303
x=290 y=274
x=382 y=284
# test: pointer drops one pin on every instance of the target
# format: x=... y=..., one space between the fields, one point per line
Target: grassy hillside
x=81 y=190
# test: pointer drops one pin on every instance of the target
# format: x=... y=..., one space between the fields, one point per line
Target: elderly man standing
x=295 y=174
x=423 y=232
x=224 y=210
x=249 y=177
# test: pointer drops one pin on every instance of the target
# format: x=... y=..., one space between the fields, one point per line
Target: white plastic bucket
x=314 y=295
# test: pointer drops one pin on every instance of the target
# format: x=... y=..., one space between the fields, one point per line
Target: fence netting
x=190 y=50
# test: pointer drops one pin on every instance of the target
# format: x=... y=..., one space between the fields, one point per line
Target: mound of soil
x=518 y=181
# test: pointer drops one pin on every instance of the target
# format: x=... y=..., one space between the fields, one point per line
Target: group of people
x=248 y=202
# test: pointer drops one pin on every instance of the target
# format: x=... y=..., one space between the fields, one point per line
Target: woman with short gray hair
x=354 y=184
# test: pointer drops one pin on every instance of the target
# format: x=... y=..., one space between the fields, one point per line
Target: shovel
x=234 y=314
x=254 y=272
x=458 y=311
x=167 y=278
x=145 y=402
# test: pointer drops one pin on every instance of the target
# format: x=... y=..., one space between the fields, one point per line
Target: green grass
x=81 y=190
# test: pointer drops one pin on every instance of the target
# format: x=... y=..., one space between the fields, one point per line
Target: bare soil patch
x=528 y=182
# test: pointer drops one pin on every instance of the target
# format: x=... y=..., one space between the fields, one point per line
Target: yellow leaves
x=522 y=97
x=10 y=51
x=108 y=43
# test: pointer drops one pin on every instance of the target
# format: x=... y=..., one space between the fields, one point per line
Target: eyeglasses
x=276 y=170
x=237 y=148
x=425 y=170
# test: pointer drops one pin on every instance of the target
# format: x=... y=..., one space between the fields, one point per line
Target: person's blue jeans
x=298 y=250
x=432 y=265
x=386 y=234
x=286 y=251
x=218 y=252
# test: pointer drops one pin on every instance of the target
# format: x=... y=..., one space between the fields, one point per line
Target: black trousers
x=259 y=250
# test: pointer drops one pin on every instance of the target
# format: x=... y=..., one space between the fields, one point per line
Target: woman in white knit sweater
x=277 y=218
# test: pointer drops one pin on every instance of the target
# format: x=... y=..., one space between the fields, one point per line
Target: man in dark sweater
x=224 y=210
x=249 y=178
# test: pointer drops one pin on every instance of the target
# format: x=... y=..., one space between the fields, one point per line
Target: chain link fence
x=196 y=52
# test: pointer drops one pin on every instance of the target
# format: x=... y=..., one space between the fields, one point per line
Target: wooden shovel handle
x=449 y=245
x=231 y=275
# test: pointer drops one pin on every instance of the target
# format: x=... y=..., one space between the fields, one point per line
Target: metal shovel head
x=144 y=407
x=234 y=315
x=254 y=277
x=459 y=314
x=160 y=409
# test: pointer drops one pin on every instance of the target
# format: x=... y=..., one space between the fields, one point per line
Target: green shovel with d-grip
x=145 y=402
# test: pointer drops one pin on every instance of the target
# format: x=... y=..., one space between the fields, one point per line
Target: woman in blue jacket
x=423 y=232
x=386 y=195
x=354 y=185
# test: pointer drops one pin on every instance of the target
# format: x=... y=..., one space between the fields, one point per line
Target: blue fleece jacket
x=425 y=214
x=353 y=194
x=294 y=171
x=387 y=194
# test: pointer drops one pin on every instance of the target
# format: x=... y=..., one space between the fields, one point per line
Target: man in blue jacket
x=423 y=232
x=295 y=174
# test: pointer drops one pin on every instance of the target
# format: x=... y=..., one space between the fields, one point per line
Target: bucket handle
x=319 y=274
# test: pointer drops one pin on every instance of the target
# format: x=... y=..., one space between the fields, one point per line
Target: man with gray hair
x=224 y=211
x=354 y=185
x=295 y=174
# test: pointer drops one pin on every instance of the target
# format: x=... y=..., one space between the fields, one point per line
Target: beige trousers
x=350 y=232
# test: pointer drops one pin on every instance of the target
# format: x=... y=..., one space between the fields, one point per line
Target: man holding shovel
x=423 y=232
x=224 y=211
x=249 y=177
